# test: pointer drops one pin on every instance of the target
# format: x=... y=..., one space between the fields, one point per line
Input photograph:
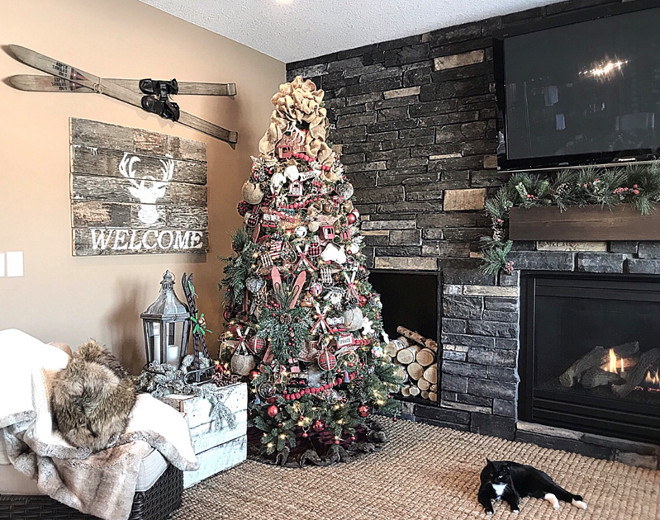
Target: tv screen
x=585 y=92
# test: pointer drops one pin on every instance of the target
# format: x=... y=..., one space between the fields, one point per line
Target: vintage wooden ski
x=39 y=83
x=102 y=86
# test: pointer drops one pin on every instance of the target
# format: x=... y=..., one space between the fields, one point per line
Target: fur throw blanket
x=92 y=398
x=103 y=483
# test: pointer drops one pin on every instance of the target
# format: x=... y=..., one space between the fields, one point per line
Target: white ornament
x=277 y=181
x=301 y=231
x=332 y=253
x=366 y=326
x=353 y=318
x=291 y=172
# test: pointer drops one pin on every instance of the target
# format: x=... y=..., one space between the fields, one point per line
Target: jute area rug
x=423 y=472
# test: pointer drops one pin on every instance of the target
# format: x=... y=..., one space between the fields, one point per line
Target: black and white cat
x=510 y=481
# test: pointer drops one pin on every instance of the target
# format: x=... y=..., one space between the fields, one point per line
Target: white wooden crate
x=217 y=446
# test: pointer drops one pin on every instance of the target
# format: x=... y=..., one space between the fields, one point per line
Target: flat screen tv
x=580 y=90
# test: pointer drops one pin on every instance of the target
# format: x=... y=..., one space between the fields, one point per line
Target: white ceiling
x=293 y=30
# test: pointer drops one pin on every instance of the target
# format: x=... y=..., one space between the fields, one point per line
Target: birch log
x=431 y=374
x=425 y=357
x=417 y=338
x=407 y=355
x=415 y=370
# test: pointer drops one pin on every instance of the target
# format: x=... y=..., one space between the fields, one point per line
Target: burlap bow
x=295 y=103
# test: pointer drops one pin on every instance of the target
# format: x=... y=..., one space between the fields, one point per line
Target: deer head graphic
x=148 y=190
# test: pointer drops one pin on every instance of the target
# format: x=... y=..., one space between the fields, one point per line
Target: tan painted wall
x=71 y=299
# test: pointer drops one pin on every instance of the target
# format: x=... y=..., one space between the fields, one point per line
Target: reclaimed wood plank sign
x=136 y=192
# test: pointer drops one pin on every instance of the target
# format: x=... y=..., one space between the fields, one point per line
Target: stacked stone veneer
x=416 y=122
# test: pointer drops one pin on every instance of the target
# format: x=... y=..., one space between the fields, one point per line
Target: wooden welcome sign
x=136 y=192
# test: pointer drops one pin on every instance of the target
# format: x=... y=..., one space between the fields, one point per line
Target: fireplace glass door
x=590 y=353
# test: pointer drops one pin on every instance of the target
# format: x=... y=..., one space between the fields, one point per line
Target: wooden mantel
x=589 y=223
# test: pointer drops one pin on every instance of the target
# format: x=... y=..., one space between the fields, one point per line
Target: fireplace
x=590 y=353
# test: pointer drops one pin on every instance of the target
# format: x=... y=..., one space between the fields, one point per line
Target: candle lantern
x=166 y=326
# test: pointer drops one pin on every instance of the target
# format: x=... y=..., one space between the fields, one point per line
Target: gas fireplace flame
x=615 y=365
x=653 y=377
x=612 y=366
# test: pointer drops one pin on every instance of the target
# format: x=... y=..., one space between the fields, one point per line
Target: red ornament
x=327 y=361
x=254 y=374
x=272 y=411
x=363 y=410
x=362 y=300
x=304 y=435
x=318 y=426
x=351 y=218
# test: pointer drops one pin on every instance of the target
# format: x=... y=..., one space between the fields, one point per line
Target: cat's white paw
x=579 y=503
x=550 y=497
x=489 y=513
x=516 y=511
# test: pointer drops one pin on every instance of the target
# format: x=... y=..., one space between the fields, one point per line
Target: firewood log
x=392 y=348
x=433 y=397
x=405 y=391
x=415 y=370
x=417 y=338
x=431 y=374
x=433 y=387
x=404 y=341
x=423 y=385
x=414 y=391
x=595 y=358
x=425 y=357
x=407 y=355
x=424 y=394
x=648 y=359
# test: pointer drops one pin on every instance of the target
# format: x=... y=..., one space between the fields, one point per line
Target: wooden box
x=217 y=446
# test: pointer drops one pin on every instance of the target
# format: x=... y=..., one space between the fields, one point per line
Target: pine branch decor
x=636 y=184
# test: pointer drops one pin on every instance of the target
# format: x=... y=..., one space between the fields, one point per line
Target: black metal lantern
x=166 y=326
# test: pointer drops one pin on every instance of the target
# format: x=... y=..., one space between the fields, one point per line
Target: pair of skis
x=150 y=95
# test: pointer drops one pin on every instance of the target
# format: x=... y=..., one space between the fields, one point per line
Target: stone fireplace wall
x=416 y=122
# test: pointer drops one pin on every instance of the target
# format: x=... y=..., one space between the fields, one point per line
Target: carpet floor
x=423 y=472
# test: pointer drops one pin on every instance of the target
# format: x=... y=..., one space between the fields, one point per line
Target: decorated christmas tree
x=304 y=325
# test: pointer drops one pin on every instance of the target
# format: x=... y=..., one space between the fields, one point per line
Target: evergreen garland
x=637 y=184
x=161 y=379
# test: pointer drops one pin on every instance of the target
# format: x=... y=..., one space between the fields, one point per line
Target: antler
x=167 y=167
x=130 y=174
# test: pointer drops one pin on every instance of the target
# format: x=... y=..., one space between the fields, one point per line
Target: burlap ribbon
x=295 y=103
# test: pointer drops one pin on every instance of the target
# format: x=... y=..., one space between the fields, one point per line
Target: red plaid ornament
x=327 y=361
x=256 y=344
x=314 y=250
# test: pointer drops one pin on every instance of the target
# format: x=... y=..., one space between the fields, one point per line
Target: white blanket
x=100 y=484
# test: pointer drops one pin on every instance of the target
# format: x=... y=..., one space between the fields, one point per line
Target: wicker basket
x=156 y=503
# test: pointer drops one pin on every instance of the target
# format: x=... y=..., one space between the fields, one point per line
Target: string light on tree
x=296 y=281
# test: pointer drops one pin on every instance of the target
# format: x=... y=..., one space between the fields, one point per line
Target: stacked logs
x=416 y=360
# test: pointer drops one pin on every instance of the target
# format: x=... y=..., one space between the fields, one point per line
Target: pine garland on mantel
x=637 y=184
